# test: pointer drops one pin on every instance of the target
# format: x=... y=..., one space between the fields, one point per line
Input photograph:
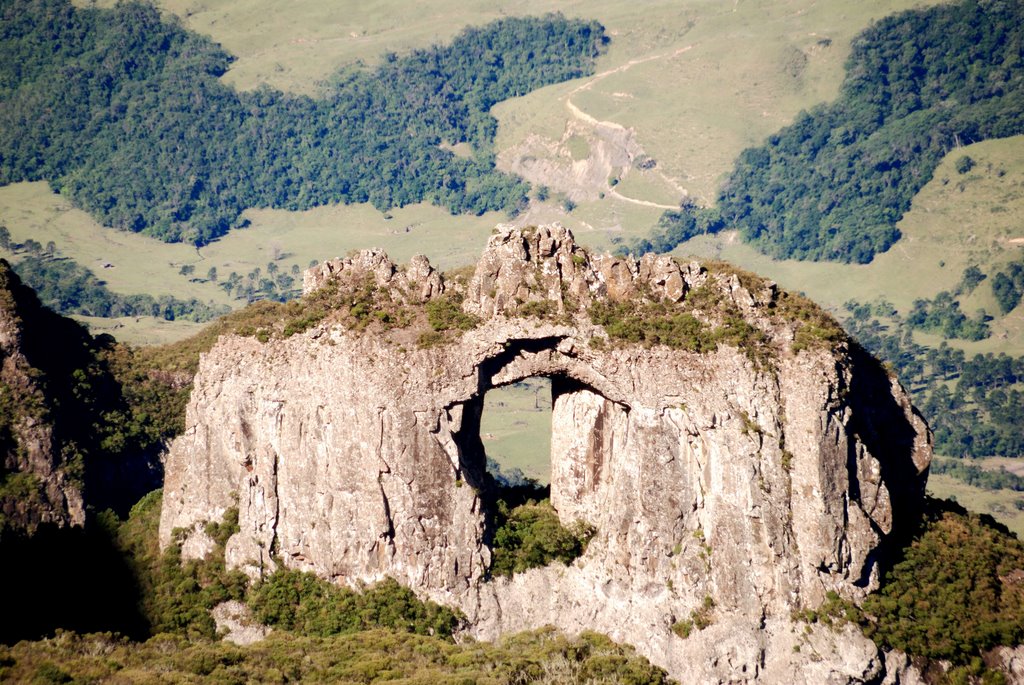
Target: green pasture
x=128 y=262
x=131 y=263
x=999 y=503
x=516 y=427
x=696 y=81
x=699 y=81
x=956 y=221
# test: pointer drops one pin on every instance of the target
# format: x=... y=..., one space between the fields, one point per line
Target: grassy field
x=516 y=427
x=131 y=263
x=136 y=263
x=998 y=503
x=701 y=80
x=698 y=80
x=299 y=45
x=673 y=75
x=336 y=230
x=956 y=221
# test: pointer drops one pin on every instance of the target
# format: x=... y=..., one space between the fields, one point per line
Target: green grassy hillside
x=690 y=85
x=956 y=221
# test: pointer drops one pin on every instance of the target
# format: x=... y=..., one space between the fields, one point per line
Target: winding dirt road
x=582 y=116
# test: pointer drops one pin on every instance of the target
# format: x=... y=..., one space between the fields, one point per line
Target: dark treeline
x=974 y=406
x=122 y=110
x=833 y=184
x=69 y=288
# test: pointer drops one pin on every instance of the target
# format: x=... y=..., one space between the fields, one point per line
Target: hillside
x=83 y=418
x=649 y=48
x=833 y=185
x=143 y=135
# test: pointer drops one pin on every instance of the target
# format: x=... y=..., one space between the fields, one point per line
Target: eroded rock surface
x=37 y=485
x=762 y=469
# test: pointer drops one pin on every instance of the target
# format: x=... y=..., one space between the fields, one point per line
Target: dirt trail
x=582 y=116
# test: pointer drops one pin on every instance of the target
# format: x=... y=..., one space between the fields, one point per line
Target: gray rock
x=235 y=621
x=764 y=484
x=1011 y=663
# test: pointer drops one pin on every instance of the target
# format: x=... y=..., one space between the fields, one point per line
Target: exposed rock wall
x=760 y=482
x=35 y=484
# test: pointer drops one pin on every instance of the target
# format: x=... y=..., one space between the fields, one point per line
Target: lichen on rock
x=355 y=452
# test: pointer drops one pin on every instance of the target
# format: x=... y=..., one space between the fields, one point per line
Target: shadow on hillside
x=72 y=579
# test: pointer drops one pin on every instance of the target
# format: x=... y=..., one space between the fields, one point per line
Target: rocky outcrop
x=235 y=621
x=36 y=485
x=720 y=435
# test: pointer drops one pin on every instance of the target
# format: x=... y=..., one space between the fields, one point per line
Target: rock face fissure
x=715 y=473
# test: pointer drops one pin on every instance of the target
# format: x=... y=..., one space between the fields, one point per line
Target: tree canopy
x=833 y=185
x=123 y=111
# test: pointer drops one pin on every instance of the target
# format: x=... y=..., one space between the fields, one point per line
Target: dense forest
x=974 y=405
x=832 y=185
x=69 y=288
x=121 y=110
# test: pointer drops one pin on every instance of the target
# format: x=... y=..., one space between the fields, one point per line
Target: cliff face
x=69 y=435
x=755 y=459
x=36 y=482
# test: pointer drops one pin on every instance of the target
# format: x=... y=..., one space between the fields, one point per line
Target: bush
x=700 y=618
x=531 y=536
x=964 y=164
x=445 y=313
x=303 y=603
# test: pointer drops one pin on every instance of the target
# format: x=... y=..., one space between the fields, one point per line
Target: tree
x=964 y=164
x=5 y=238
x=211 y=275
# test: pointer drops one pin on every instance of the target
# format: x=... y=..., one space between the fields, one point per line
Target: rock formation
x=70 y=440
x=36 y=482
x=727 y=443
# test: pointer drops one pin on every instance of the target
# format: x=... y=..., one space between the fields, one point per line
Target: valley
x=619 y=122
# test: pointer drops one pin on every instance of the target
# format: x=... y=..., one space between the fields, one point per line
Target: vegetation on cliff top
x=123 y=110
x=707 y=317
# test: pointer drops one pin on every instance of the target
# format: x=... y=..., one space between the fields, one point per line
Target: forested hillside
x=833 y=185
x=122 y=110
x=107 y=412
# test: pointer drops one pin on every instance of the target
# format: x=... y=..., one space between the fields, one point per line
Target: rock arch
x=713 y=473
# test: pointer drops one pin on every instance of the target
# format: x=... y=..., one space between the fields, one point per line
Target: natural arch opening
x=515 y=429
x=536 y=481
